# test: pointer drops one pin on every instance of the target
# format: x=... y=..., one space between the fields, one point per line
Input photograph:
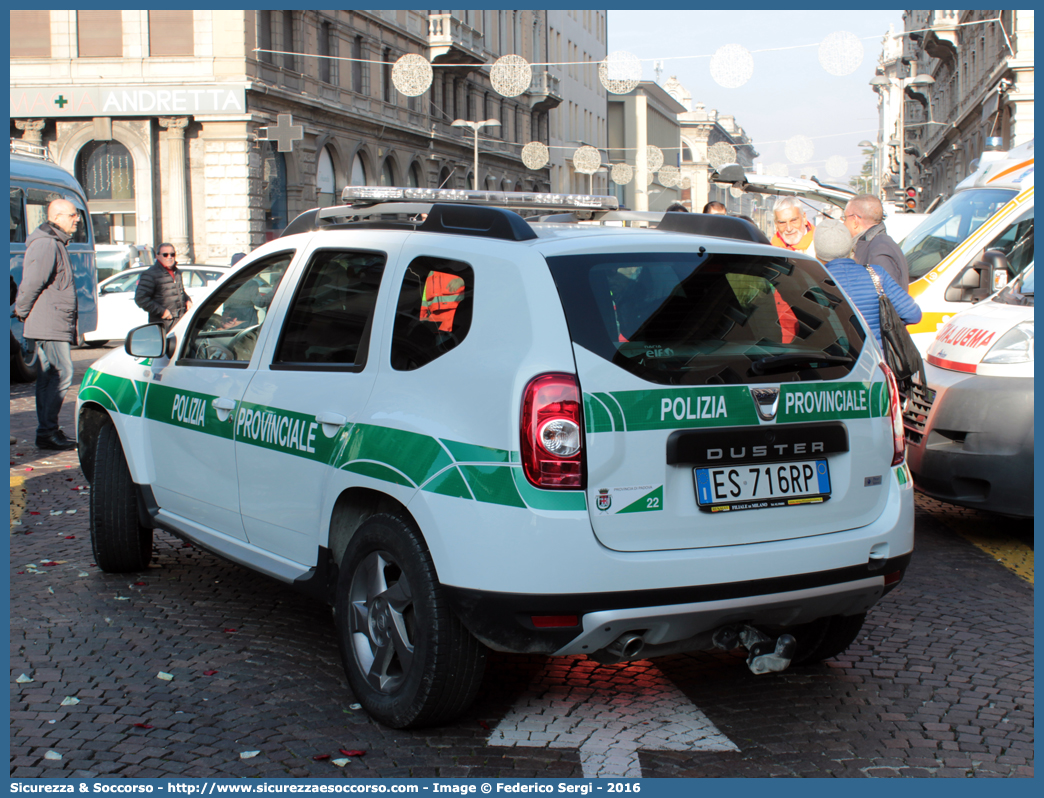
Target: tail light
x=898 y=434
x=552 y=432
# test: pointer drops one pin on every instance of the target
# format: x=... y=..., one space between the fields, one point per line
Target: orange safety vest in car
x=442 y=294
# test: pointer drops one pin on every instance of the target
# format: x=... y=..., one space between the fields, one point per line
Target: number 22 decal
x=652 y=503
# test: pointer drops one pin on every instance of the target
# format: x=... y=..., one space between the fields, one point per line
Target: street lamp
x=475 y=126
x=874 y=167
x=914 y=80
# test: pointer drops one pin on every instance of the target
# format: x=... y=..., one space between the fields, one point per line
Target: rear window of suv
x=700 y=319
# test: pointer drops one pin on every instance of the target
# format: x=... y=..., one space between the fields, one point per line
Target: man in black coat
x=864 y=218
x=161 y=291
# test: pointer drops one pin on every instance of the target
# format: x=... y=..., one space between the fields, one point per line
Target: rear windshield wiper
x=772 y=362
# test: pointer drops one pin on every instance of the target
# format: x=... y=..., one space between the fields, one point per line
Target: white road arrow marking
x=609 y=713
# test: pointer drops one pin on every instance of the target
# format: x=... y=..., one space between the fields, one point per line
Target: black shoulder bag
x=900 y=353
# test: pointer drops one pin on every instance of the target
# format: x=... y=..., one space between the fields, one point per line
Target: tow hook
x=765 y=654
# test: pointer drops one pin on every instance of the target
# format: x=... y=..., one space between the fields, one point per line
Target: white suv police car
x=466 y=430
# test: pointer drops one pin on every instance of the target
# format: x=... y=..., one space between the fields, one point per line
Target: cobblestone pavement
x=940 y=683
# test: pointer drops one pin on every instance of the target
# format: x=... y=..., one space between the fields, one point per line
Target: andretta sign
x=79 y=101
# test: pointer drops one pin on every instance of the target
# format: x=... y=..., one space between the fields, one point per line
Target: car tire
x=120 y=543
x=826 y=638
x=23 y=361
x=409 y=660
x=96 y=344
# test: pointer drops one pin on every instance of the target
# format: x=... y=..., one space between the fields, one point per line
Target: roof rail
x=468 y=220
x=521 y=200
x=712 y=224
x=20 y=147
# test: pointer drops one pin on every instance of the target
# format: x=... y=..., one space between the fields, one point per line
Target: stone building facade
x=576 y=43
x=701 y=128
x=981 y=66
x=165 y=116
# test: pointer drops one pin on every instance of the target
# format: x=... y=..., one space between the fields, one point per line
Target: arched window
x=325 y=182
x=444 y=177
x=387 y=174
x=358 y=172
x=105 y=169
x=273 y=190
x=413 y=177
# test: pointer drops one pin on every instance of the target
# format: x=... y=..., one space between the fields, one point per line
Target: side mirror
x=971 y=278
x=970 y=286
x=147 y=341
x=1000 y=269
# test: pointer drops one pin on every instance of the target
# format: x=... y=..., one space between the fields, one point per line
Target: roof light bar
x=503 y=199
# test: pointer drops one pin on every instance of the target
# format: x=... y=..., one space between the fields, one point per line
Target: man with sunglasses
x=46 y=303
x=161 y=291
x=864 y=218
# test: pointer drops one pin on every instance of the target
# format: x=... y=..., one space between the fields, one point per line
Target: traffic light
x=911 y=199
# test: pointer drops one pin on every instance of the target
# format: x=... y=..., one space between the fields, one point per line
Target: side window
x=36 y=202
x=328 y=324
x=433 y=314
x=227 y=325
x=17 y=216
x=1017 y=243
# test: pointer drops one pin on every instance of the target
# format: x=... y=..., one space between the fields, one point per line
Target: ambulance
x=469 y=430
x=970 y=434
x=975 y=242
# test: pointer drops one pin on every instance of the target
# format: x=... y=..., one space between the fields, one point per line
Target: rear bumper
x=972 y=444
x=504 y=621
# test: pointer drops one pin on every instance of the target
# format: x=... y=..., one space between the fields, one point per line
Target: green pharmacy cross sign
x=61 y=102
x=285 y=132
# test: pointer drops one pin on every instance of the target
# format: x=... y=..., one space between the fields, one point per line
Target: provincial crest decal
x=604 y=500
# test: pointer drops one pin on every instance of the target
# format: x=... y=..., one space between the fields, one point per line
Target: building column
x=641 y=162
x=32 y=130
x=176 y=223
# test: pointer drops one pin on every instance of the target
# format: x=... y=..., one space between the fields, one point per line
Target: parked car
x=970 y=434
x=466 y=430
x=117 y=313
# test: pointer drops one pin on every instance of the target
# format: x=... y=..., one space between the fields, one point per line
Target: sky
x=788 y=94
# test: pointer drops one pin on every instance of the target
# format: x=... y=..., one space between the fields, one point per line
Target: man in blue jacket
x=46 y=302
x=833 y=245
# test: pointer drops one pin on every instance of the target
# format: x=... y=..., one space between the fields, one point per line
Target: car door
x=117 y=311
x=190 y=410
x=299 y=409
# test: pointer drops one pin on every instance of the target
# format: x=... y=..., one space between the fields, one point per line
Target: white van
x=970 y=434
x=973 y=243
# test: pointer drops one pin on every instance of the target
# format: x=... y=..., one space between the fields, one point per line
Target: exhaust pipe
x=626 y=647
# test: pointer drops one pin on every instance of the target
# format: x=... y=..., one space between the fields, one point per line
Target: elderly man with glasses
x=864 y=218
x=46 y=303
x=161 y=291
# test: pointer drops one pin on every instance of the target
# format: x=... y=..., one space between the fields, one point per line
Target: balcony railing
x=453 y=42
x=544 y=91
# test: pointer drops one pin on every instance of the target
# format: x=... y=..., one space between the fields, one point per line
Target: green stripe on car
x=444 y=467
x=126 y=397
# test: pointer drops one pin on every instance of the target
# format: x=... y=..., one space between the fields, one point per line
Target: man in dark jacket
x=161 y=291
x=46 y=303
x=864 y=218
